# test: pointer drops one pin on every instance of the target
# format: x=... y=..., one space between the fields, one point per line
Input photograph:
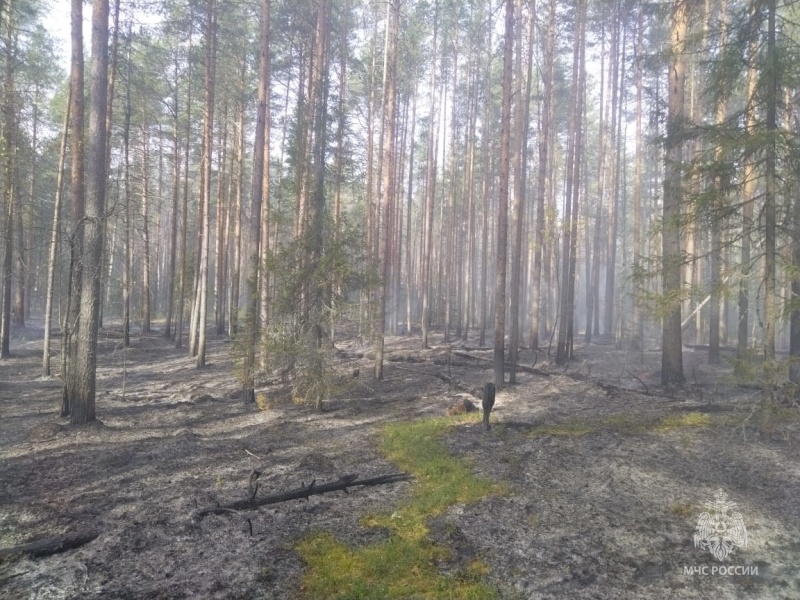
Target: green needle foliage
x=309 y=299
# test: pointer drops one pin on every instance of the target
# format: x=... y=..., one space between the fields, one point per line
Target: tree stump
x=488 y=403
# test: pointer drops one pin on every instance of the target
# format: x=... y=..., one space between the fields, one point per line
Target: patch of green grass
x=622 y=423
x=569 y=429
x=618 y=423
x=677 y=421
x=476 y=570
x=404 y=566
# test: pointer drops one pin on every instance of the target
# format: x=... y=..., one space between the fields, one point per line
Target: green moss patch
x=677 y=421
x=404 y=566
x=627 y=424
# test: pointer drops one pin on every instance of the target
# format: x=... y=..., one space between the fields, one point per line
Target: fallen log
x=304 y=491
x=462 y=387
x=519 y=367
x=48 y=546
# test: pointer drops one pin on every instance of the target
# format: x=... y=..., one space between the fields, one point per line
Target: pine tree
x=672 y=348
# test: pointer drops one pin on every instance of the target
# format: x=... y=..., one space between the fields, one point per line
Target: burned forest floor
x=596 y=478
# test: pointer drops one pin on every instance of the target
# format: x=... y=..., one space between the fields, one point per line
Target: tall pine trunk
x=502 y=201
x=205 y=191
x=236 y=260
x=520 y=143
x=260 y=157
x=77 y=203
x=430 y=189
x=571 y=200
x=173 y=236
x=54 y=237
x=181 y=308
x=387 y=178
x=127 y=267
x=748 y=195
x=637 y=328
x=770 y=194
x=147 y=295
x=541 y=183
x=82 y=395
x=672 y=351
x=717 y=247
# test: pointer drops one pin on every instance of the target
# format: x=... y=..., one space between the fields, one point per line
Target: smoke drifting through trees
x=599 y=134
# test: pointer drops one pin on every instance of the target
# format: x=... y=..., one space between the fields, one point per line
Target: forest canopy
x=286 y=172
